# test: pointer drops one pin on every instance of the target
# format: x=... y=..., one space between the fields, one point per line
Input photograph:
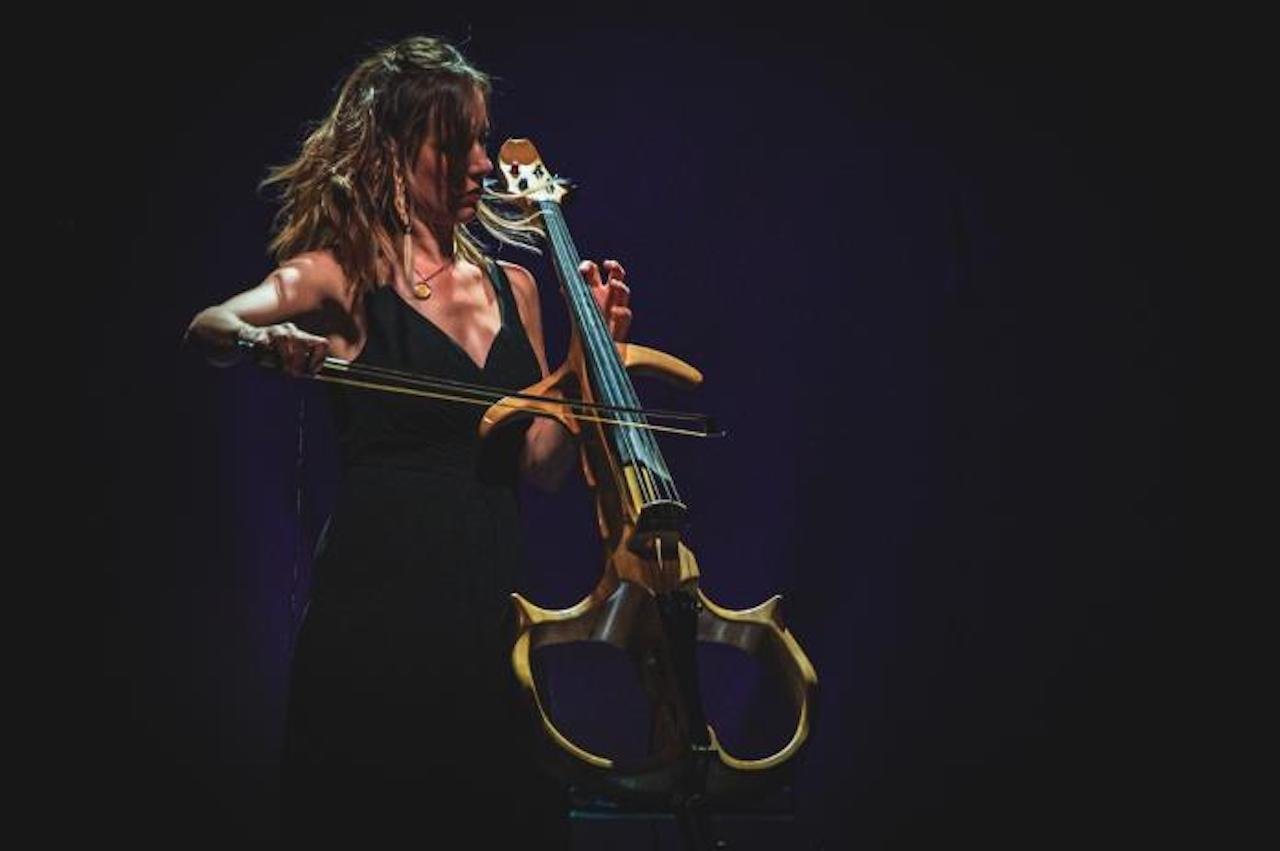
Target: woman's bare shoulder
x=309 y=289
x=318 y=273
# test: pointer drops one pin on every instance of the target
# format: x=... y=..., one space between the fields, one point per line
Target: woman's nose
x=480 y=162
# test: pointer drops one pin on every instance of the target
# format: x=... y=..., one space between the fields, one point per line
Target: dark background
x=937 y=270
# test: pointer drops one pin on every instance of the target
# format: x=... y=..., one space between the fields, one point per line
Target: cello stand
x=689 y=806
x=695 y=825
x=686 y=824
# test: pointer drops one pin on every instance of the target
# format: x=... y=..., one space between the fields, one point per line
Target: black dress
x=403 y=720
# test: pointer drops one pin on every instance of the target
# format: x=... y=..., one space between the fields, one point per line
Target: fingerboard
x=609 y=378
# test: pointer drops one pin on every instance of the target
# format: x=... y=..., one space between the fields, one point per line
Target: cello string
x=574 y=285
x=611 y=371
x=614 y=380
x=589 y=324
x=590 y=321
x=646 y=447
x=642 y=446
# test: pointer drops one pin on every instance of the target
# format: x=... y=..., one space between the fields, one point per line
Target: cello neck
x=608 y=377
x=636 y=449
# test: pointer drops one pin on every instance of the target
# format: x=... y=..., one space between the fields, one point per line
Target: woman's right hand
x=294 y=350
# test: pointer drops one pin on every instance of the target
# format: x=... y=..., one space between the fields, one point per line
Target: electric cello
x=648 y=601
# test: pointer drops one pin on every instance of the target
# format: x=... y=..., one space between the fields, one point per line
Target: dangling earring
x=420 y=288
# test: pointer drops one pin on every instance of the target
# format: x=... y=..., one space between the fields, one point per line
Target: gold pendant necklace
x=422 y=289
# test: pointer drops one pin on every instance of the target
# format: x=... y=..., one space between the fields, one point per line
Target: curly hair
x=340 y=192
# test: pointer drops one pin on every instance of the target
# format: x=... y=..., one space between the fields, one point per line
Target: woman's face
x=437 y=200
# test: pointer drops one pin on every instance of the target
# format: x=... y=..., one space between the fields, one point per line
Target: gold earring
x=402 y=211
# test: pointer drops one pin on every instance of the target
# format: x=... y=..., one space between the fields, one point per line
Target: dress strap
x=506 y=297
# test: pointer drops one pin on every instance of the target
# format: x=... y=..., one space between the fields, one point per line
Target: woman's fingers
x=591 y=272
x=612 y=295
x=617 y=297
x=299 y=353
x=616 y=275
x=319 y=352
x=619 y=322
x=619 y=294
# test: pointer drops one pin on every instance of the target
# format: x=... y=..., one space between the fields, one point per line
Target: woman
x=402 y=712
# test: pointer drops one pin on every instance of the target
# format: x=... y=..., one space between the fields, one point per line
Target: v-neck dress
x=402 y=712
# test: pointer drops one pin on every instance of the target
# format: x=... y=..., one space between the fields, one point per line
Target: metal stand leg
x=694 y=823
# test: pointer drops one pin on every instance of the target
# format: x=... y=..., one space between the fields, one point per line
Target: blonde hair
x=340 y=192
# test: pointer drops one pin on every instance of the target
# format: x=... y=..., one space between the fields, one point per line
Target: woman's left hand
x=611 y=295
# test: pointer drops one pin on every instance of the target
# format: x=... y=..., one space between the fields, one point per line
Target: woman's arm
x=549 y=449
x=261 y=315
